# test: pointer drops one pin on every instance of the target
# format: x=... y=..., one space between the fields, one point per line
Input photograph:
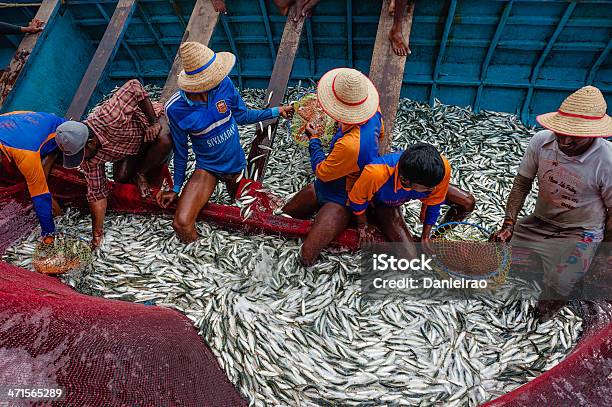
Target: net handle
x=482 y=229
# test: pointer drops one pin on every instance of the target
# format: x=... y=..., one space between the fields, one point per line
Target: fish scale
x=284 y=333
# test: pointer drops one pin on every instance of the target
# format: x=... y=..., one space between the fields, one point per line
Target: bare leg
x=283 y=6
x=393 y=226
x=195 y=195
x=461 y=203
x=303 y=204
x=232 y=187
x=155 y=155
x=139 y=168
x=331 y=220
x=304 y=7
x=400 y=47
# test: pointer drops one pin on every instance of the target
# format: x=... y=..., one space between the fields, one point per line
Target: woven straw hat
x=347 y=96
x=203 y=69
x=582 y=114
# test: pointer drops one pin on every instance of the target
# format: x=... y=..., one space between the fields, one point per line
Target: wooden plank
x=100 y=61
x=387 y=69
x=199 y=28
x=265 y=134
x=46 y=12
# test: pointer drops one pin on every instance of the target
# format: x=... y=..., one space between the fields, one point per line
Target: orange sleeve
x=341 y=161
x=438 y=195
x=15 y=112
x=369 y=182
x=29 y=164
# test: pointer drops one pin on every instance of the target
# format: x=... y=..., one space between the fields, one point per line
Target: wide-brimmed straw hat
x=582 y=114
x=347 y=96
x=203 y=69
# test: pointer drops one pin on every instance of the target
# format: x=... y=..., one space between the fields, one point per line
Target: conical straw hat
x=582 y=114
x=347 y=96
x=203 y=69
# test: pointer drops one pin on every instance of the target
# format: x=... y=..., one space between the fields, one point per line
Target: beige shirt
x=573 y=191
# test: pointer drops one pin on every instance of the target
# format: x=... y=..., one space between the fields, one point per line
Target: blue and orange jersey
x=26 y=137
x=350 y=151
x=212 y=128
x=379 y=183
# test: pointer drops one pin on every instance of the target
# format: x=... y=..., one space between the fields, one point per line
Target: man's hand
x=219 y=6
x=426 y=245
x=165 y=198
x=504 y=234
x=34 y=27
x=310 y=130
x=152 y=132
x=366 y=233
x=286 y=111
x=96 y=239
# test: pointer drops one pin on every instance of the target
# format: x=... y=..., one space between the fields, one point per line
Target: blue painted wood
x=154 y=34
x=228 y=33
x=124 y=44
x=266 y=20
x=349 y=31
x=447 y=27
x=311 y=52
x=597 y=64
x=47 y=82
x=536 y=70
x=487 y=60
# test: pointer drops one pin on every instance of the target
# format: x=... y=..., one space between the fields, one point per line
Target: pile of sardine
x=286 y=335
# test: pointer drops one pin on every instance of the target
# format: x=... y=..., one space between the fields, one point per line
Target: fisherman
x=28 y=140
x=573 y=164
x=419 y=172
x=206 y=110
x=350 y=98
x=126 y=131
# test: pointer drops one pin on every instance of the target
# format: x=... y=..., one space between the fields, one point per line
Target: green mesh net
x=64 y=255
x=307 y=110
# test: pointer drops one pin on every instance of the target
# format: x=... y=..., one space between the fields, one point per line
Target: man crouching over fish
x=350 y=98
x=419 y=172
x=27 y=139
x=126 y=131
x=573 y=164
x=206 y=110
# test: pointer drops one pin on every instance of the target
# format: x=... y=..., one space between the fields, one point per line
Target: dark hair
x=421 y=163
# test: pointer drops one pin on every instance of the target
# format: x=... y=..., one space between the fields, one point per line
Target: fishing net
x=307 y=110
x=65 y=254
x=102 y=352
x=462 y=251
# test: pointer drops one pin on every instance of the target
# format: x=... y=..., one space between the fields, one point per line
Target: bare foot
x=219 y=6
x=391 y=7
x=142 y=184
x=397 y=42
